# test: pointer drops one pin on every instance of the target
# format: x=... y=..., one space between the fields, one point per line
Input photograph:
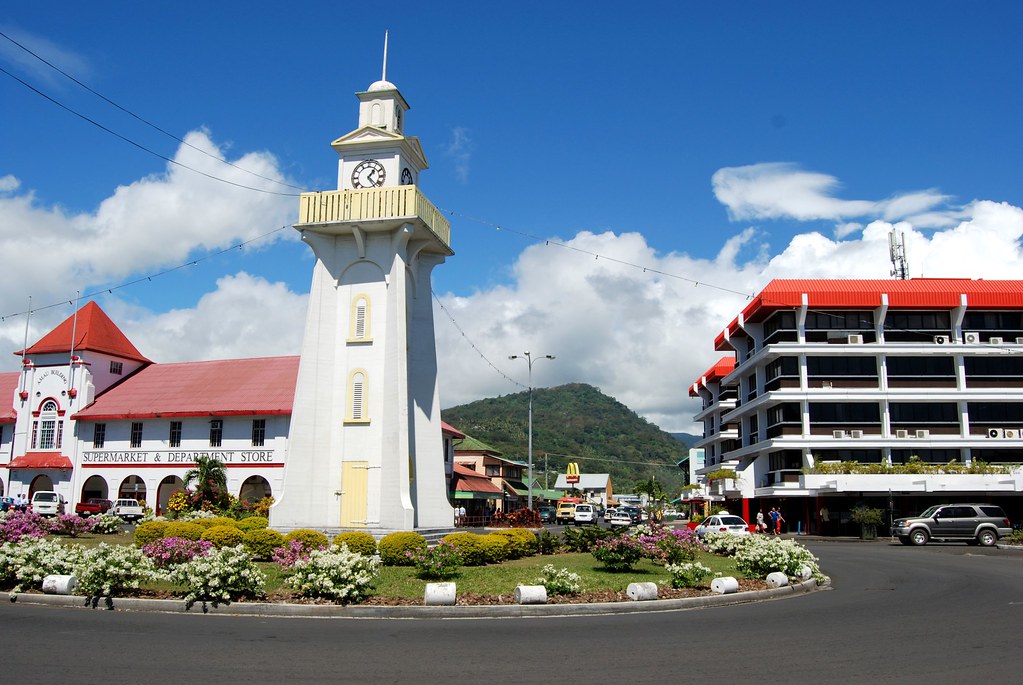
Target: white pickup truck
x=128 y=509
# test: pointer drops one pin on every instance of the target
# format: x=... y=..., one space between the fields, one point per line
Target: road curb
x=420 y=612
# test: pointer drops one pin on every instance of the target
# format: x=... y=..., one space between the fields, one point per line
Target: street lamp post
x=529 y=362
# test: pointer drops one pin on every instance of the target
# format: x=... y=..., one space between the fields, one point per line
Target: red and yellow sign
x=572 y=475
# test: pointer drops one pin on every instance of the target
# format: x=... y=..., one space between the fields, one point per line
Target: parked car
x=6 y=503
x=585 y=513
x=547 y=513
x=93 y=506
x=47 y=503
x=619 y=518
x=609 y=512
x=974 y=524
x=722 y=523
x=128 y=509
x=635 y=513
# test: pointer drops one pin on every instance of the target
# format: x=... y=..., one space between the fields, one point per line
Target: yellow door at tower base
x=354 y=493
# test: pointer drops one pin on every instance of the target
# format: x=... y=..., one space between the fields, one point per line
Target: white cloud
x=46 y=49
x=780 y=190
x=644 y=338
x=459 y=150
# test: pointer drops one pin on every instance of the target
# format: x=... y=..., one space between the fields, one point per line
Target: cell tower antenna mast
x=897 y=253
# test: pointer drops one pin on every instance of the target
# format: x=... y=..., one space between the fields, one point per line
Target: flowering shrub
x=290 y=553
x=435 y=563
x=618 y=553
x=178 y=503
x=310 y=539
x=107 y=570
x=219 y=577
x=106 y=524
x=27 y=562
x=15 y=525
x=522 y=518
x=668 y=545
x=335 y=573
x=197 y=515
x=759 y=556
x=71 y=525
x=167 y=552
x=724 y=544
x=687 y=574
x=559 y=581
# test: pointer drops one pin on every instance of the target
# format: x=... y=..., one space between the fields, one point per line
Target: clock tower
x=365 y=446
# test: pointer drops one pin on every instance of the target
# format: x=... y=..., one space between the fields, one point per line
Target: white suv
x=585 y=513
x=47 y=503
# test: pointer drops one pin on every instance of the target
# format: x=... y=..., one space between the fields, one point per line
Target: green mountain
x=575 y=422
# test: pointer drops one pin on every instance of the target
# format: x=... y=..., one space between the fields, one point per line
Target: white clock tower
x=365 y=447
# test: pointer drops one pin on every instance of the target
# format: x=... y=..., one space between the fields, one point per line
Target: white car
x=619 y=518
x=128 y=509
x=609 y=512
x=722 y=523
x=47 y=503
x=585 y=513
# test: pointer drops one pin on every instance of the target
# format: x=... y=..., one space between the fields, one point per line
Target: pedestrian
x=825 y=519
x=775 y=519
x=777 y=523
x=761 y=526
x=461 y=515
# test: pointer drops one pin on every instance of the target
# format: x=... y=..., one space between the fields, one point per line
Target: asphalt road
x=938 y=614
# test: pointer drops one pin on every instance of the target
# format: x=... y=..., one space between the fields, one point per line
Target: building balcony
x=968 y=483
x=371 y=208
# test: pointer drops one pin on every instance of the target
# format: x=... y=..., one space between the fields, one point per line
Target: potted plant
x=869 y=518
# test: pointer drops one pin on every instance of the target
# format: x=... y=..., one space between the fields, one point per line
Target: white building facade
x=893 y=394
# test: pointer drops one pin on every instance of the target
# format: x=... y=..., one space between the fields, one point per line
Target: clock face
x=368 y=174
x=406 y=177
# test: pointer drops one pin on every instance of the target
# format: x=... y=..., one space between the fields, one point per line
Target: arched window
x=358 y=327
x=47 y=430
x=357 y=397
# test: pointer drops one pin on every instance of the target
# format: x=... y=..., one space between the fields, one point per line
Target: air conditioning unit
x=1010 y=433
x=942 y=340
x=923 y=433
x=971 y=337
x=838 y=434
x=900 y=433
x=995 y=340
x=855 y=339
x=855 y=433
x=996 y=433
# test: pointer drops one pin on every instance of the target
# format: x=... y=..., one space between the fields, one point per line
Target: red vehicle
x=94 y=505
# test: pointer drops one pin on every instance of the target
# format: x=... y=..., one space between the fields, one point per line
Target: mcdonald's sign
x=572 y=475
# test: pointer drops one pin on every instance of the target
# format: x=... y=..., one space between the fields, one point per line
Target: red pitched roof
x=93 y=331
x=721 y=368
x=468 y=480
x=450 y=430
x=8 y=385
x=40 y=460
x=915 y=293
x=226 y=387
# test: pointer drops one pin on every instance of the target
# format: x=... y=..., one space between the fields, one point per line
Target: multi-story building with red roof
x=895 y=394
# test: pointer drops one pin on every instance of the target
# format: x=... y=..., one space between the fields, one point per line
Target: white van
x=47 y=503
x=585 y=513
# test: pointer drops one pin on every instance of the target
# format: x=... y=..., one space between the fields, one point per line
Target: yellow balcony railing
x=402 y=202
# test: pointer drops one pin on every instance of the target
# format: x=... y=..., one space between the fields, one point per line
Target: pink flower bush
x=167 y=552
x=70 y=524
x=668 y=545
x=290 y=554
x=16 y=525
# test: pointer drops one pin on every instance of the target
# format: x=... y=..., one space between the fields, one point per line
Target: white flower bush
x=106 y=524
x=724 y=544
x=196 y=515
x=107 y=570
x=559 y=581
x=219 y=577
x=758 y=555
x=27 y=562
x=687 y=574
x=336 y=573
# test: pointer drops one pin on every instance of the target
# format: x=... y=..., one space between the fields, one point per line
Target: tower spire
x=383 y=76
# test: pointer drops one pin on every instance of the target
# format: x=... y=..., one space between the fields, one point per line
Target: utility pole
x=529 y=362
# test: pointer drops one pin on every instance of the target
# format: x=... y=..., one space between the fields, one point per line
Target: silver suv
x=973 y=524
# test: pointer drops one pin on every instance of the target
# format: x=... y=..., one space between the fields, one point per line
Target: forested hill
x=597 y=432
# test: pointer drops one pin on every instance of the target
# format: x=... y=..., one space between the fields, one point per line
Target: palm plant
x=210 y=478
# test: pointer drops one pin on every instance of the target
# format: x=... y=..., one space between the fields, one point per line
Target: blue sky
x=724 y=143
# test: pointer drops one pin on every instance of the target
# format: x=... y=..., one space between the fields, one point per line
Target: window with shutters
x=99 y=436
x=136 y=435
x=357 y=397
x=258 y=432
x=174 y=439
x=359 y=320
x=216 y=432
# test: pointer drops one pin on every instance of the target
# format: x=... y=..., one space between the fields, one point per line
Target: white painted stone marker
x=439 y=594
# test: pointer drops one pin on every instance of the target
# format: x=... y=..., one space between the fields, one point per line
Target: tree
x=656 y=496
x=210 y=478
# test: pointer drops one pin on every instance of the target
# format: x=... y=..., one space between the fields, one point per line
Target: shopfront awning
x=40 y=460
x=471 y=485
x=516 y=487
